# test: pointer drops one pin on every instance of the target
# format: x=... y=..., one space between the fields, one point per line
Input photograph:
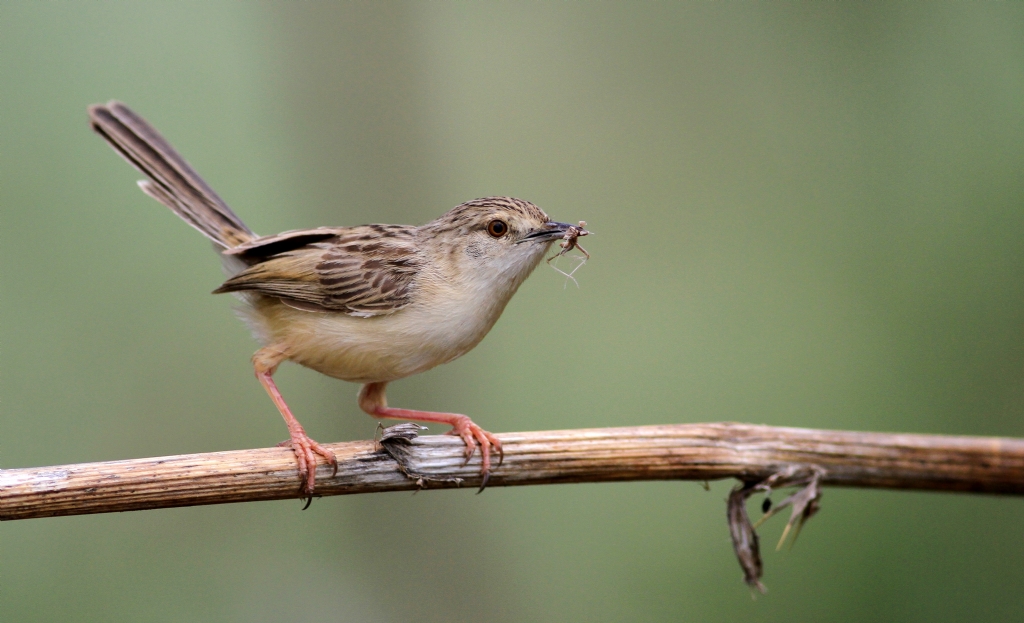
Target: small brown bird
x=369 y=304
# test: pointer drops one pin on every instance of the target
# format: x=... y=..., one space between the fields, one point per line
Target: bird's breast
x=440 y=325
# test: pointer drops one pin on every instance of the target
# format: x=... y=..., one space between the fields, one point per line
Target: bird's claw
x=474 y=436
x=306 y=450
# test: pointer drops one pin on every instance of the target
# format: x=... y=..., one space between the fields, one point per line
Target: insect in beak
x=570 y=240
x=552 y=230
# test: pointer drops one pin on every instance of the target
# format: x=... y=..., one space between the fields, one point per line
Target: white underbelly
x=381 y=348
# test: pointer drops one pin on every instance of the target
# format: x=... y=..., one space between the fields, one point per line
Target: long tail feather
x=172 y=181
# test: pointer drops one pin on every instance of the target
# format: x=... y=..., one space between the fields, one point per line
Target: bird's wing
x=261 y=248
x=361 y=271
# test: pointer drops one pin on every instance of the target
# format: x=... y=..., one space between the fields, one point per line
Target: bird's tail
x=171 y=181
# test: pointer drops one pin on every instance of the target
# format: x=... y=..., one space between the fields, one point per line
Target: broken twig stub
x=396 y=441
x=805 y=502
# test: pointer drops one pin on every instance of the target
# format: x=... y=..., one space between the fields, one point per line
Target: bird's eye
x=497 y=228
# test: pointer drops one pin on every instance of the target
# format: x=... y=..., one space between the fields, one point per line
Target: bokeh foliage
x=806 y=215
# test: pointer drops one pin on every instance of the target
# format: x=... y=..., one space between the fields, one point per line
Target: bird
x=368 y=304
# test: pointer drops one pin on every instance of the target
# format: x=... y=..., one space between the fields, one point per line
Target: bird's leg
x=265 y=362
x=373 y=401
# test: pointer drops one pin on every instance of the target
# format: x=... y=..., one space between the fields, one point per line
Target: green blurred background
x=806 y=215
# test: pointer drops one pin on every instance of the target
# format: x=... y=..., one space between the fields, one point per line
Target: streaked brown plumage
x=369 y=304
x=356 y=271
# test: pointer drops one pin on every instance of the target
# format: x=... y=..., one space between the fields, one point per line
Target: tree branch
x=672 y=452
x=763 y=458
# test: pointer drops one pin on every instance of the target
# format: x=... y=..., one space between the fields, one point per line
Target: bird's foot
x=306 y=449
x=474 y=436
x=372 y=401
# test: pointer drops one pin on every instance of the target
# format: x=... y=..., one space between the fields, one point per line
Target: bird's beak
x=552 y=230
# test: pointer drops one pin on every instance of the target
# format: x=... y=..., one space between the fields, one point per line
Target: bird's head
x=494 y=242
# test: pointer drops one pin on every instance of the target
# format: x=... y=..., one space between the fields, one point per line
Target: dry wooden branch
x=761 y=457
x=671 y=452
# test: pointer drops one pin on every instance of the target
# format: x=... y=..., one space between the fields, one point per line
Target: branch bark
x=752 y=454
x=763 y=458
